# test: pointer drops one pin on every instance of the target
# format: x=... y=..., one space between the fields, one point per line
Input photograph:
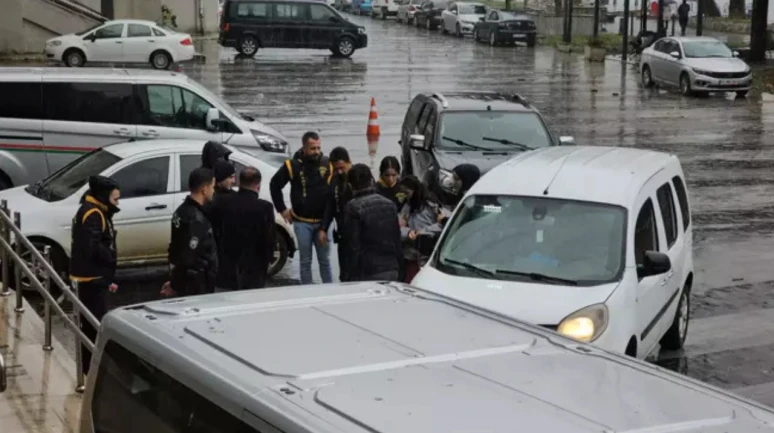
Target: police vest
x=296 y=170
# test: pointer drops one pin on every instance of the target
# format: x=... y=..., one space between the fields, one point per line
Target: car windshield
x=472 y=10
x=492 y=130
x=703 y=49
x=89 y=29
x=67 y=180
x=204 y=92
x=534 y=239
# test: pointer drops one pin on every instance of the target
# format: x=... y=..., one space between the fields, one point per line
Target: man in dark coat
x=213 y=151
x=246 y=241
x=93 y=248
x=372 y=231
x=339 y=194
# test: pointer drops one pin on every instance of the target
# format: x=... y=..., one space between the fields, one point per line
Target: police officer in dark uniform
x=93 y=247
x=193 y=256
x=339 y=194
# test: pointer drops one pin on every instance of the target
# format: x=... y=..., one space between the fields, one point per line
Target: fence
x=550 y=25
x=13 y=249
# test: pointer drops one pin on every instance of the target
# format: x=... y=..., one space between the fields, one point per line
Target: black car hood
x=485 y=161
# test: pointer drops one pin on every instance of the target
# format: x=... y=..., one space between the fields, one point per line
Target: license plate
x=519 y=36
x=729 y=82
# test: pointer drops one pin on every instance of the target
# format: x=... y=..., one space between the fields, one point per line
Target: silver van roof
x=84 y=74
x=386 y=357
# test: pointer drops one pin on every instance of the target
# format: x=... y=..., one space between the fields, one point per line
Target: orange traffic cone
x=373 y=121
x=373 y=143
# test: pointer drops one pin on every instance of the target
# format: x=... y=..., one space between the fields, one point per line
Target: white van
x=376 y=358
x=594 y=242
x=49 y=116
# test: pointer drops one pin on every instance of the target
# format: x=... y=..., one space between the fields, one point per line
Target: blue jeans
x=307 y=235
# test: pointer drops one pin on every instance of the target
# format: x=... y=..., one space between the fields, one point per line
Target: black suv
x=481 y=128
x=505 y=28
x=248 y=25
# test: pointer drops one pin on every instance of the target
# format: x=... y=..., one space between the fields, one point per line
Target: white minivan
x=50 y=116
x=593 y=242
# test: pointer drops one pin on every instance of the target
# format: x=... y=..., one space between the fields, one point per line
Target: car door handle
x=154 y=206
x=151 y=40
x=667 y=277
x=150 y=133
x=119 y=42
x=122 y=131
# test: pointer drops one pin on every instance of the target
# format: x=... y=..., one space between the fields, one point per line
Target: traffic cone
x=373 y=144
x=373 y=121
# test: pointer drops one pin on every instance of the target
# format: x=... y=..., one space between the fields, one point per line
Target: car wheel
x=674 y=339
x=280 y=253
x=248 y=45
x=685 y=85
x=345 y=46
x=409 y=20
x=741 y=93
x=647 y=78
x=492 y=39
x=58 y=261
x=384 y=14
x=74 y=58
x=458 y=31
x=160 y=60
x=416 y=22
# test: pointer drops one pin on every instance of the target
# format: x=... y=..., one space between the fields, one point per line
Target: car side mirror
x=426 y=242
x=654 y=263
x=736 y=53
x=417 y=142
x=454 y=12
x=675 y=54
x=212 y=118
x=567 y=141
x=3 y=375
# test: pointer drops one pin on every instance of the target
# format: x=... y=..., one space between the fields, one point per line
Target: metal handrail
x=14 y=251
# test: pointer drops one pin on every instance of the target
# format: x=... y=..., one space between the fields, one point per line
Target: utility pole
x=700 y=15
x=660 y=30
x=759 y=34
x=567 y=36
x=625 y=41
x=596 y=19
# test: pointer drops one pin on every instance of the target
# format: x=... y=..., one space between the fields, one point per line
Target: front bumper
x=466 y=28
x=704 y=83
x=54 y=53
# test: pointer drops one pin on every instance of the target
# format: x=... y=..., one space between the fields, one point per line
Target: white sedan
x=153 y=176
x=461 y=17
x=122 y=41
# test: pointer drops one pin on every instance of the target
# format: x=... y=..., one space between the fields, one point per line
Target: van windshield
x=515 y=238
x=70 y=178
x=215 y=98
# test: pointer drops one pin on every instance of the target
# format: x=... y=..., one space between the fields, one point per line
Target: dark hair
x=389 y=162
x=339 y=154
x=421 y=195
x=249 y=176
x=199 y=178
x=360 y=177
x=311 y=135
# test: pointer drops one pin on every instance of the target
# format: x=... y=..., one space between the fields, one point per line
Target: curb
x=23 y=58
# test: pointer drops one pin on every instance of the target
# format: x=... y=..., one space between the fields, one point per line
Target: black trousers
x=343 y=262
x=93 y=295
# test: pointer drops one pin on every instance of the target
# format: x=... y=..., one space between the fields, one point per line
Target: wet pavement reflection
x=725 y=146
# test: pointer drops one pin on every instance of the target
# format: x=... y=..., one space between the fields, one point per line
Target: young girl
x=387 y=186
x=419 y=216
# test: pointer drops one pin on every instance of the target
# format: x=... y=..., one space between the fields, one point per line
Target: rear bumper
x=227 y=40
x=515 y=35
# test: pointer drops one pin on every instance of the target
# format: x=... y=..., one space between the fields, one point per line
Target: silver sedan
x=696 y=65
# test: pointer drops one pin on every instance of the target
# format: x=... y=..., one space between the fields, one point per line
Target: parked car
x=593 y=242
x=153 y=176
x=505 y=28
x=461 y=17
x=342 y=5
x=696 y=65
x=441 y=131
x=384 y=8
x=406 y=11
x=361 y=7
x=122 y=41
x=249 y=25
x=429 y=14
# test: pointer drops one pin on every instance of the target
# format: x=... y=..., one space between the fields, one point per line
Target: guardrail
x=13 y=245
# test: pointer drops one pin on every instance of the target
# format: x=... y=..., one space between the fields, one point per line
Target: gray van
x=376 y=357
x=49 y=116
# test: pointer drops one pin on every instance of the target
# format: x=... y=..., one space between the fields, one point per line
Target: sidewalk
x=41 y=394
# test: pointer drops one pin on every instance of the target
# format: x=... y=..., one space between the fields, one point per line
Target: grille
x=728 y=74
x=521 y=25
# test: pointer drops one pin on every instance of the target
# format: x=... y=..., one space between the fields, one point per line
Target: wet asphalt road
x=725 y=146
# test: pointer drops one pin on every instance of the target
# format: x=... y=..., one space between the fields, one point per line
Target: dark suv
x=481 y=128
x=248 y=25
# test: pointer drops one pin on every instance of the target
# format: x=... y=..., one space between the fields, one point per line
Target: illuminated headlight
x=586 y=324
x=270 y=143
x=55 y=43
x=701 y=71
x=446 y=180
x=361 y=30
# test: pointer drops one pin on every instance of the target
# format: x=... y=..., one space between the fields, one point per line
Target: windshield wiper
x=473 y=268
x=462 y=143
x=538 y=277
x=508 y=142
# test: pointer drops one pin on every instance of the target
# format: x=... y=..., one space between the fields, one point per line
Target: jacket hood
x=99 y=191
x=212 y=152
x=468 y=174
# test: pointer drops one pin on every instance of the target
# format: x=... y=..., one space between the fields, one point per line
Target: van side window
x=21 y=100
x=90 y=102
x=645 y=232
x=667 y=204
x=133 y=395
x=288 y=11
x=321 y=14
x=144 y=178
x=682 y=197
x=174 y=107
x=252 y=10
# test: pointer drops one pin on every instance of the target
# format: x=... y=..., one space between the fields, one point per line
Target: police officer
x=339 y=194
x=93 y=247
x=193 y=257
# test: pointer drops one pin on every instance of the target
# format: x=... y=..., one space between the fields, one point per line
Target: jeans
x=307 y=235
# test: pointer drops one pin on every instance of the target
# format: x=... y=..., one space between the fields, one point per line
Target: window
x=90 y=102
x=321 y=13
x=131 y=388
x=666 y=203
x=21 y=100
x=645 y=233
x=682 y=197
x=286 y=11
x=660 y=46
x=70 y=178
x=251 y=10
x=158 y=32
x=708 y=48
x=188 y=163
x=138 y=31
x=175 y=107
x=521 y=130
x=144 y=178
x=110 y=32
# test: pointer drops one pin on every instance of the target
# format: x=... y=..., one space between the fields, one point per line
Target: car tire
x=345 y=47
x=384 y=13
x=674 y=338
x=458 y=31
x=444 y=30
x=280 y=253
x=741 y=93
x=160 y=60
x=492 y=39
x=685 y=85
x=74 y=58
x=646 y=77
x=248 y=45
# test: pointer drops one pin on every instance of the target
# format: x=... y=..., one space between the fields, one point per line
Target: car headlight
x=586 y=324
x=361 y=30
x=55 y=43
x=270 y=143
x=446 y=180
x=701 y=71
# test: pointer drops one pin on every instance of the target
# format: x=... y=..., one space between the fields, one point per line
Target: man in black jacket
x=372 y=231
x=93 y=248
x=193 y=257
x=339 y=194
x=246 y=241
x=309 y=174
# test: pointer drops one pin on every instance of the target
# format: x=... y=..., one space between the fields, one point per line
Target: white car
x=593 y=242
x=153 y=176
x=384 y=8
x=406 y=11
x=122 y=41
x=460 y=18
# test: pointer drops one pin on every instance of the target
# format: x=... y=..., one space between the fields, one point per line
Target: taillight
x=186 y=42
x=226 y=26
x=412 y=8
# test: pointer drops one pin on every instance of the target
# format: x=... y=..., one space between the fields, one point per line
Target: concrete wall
x=35 y=37
x=547 y=25
x=11 y=29
x=187 y=14
x=138 y=9
x=93 y=4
